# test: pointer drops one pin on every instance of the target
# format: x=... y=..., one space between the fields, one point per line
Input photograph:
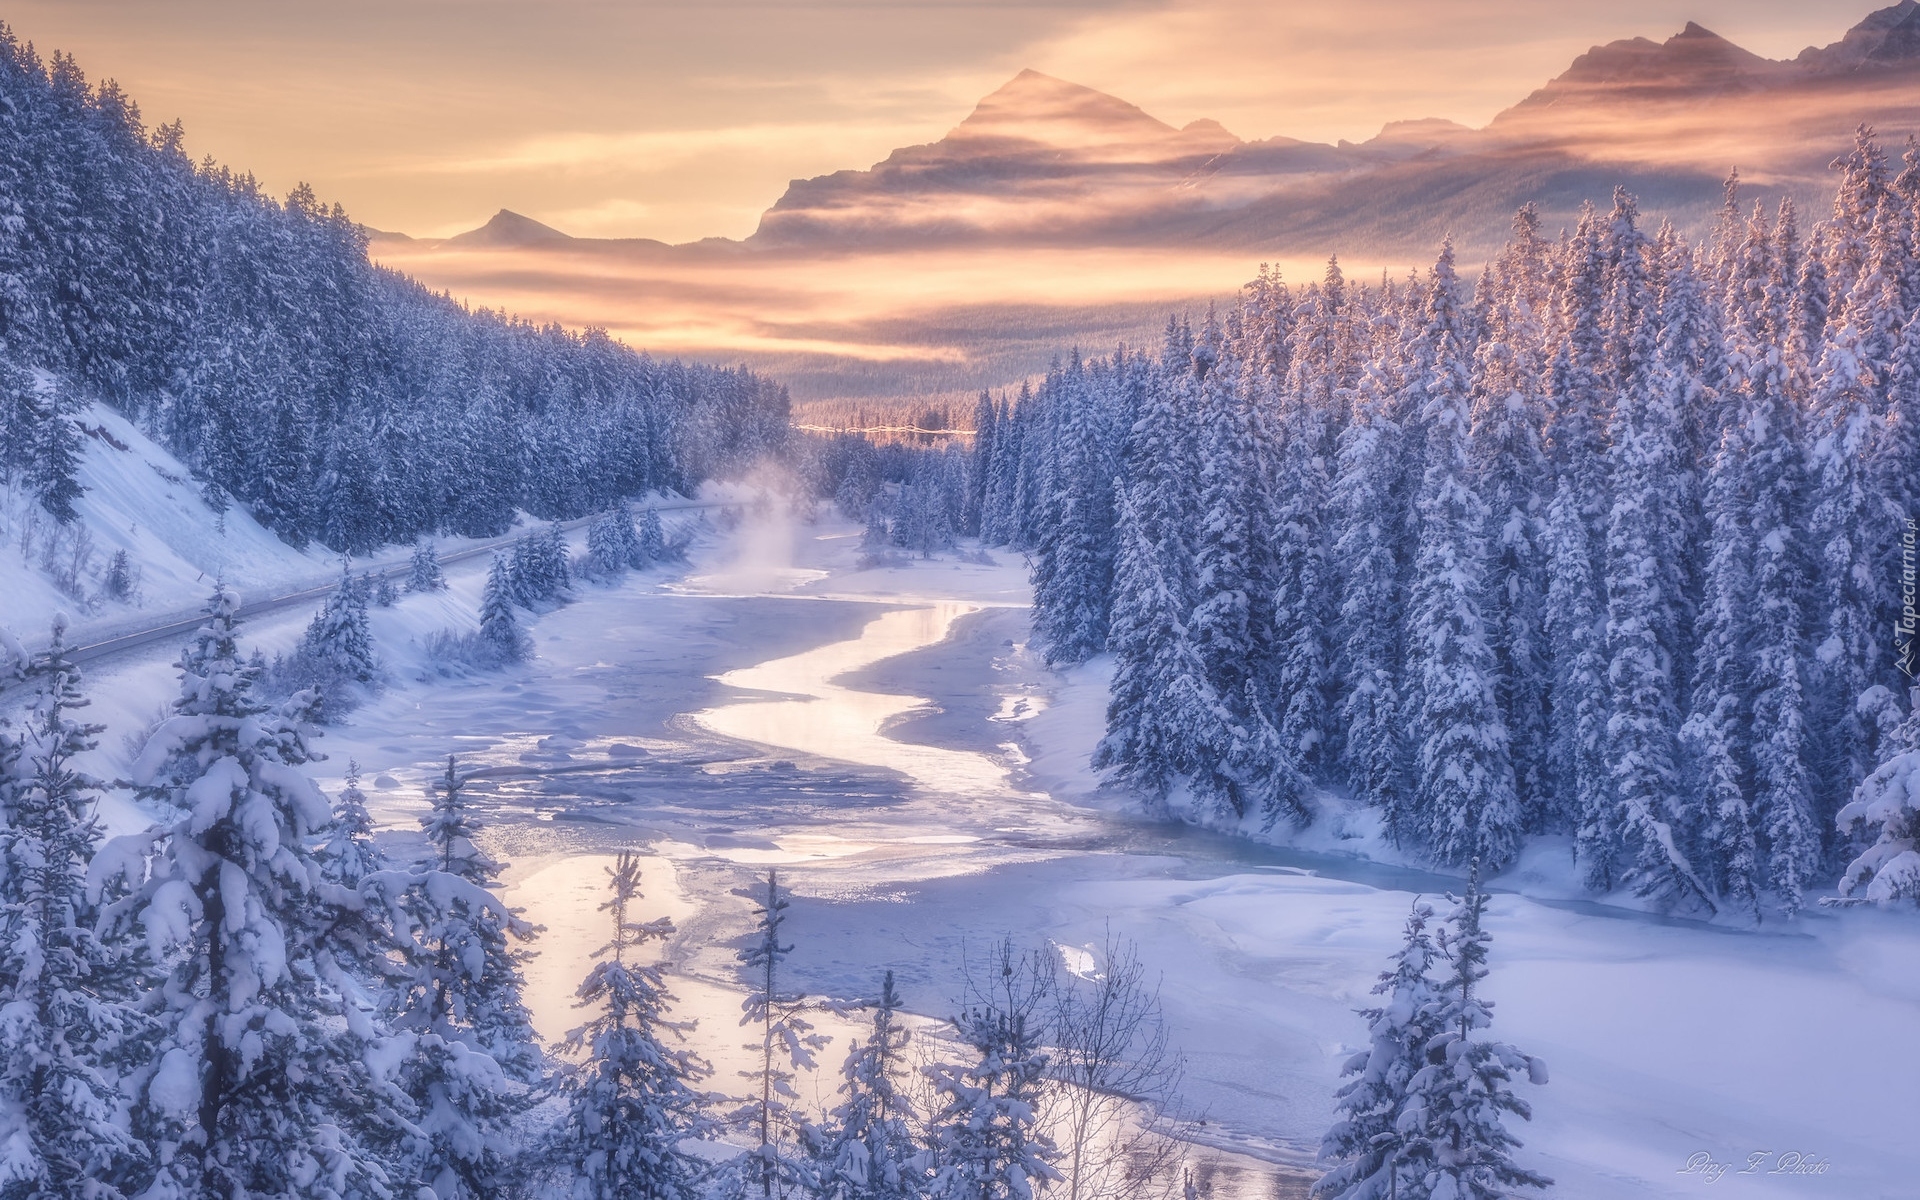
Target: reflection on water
x=699 y=816
x=838 y=722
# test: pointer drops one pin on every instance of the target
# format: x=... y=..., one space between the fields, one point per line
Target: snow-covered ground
x=915 y=834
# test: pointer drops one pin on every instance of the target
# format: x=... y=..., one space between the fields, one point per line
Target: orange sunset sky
x=685 y=120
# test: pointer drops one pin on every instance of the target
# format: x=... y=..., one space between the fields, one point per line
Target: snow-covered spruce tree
x=1716 y=726
x=1371 y=552
x=1159 y=708
x=474 y=1059
x=987 y=1136
x=1299 y=583
x=349 y=853
x=1073 y=579
x=339 y=641
x=1000 y=521
x=500 y=634
x=1845 y=521
x=1508 y=419
x=119 y=583
x=423 y=572
x=1372 y=1157
x=867 y=1147
x=1887 y=872
x=610 y=548
x=55 y=451
x=1656 y=818
x=247 y=1086
x=1775 y=494
x=878 y=534
x=555 y=561
x=358 y=955
x=654 y=548
x=777 y=1164
x=1240 y=766
x=630 y=1101
x=979 y=467
x=1464 y=779
x=605 y=559
x=527 y=571
x=1157 y=683
x=1457 y=1103
x=1574 y=625
x=69 y=1022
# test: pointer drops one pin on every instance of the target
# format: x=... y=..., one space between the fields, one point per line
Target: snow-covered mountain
x=1045 y=160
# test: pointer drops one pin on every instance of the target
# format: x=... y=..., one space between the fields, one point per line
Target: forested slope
x=339 y=401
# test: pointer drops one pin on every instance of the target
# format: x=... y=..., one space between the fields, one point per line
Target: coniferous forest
x=340 y=402
x=1615 y=543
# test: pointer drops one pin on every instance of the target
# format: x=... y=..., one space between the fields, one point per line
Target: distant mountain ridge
x=1668 y=118
x=867 y=283
x=1044 y=161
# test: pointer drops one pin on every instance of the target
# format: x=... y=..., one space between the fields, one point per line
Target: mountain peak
x=1889 y=37
x=509 y=228
x=1695 y=62
x=1036 y=107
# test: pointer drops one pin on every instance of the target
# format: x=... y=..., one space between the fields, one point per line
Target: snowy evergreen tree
x=1775 y=476
x=879 y=531
x=980 y=466
x=1371 y=549
x=1241 y=766
x=555 y=561
x=868 y=1150
x=1574 y=623
x=612 y=545
x=987 y=1137
x=69 y=1023
x=423 y=573
x=1887 y=872
x=1646 y=536
x=1159 y=710
x=776 y=1166
x=1159 y=693
x=1298 y=577
x=1458 y=1102
x=349 y=853
x=55 y=451
x=1844 y=519
x=339 y=639
x=1375 y=1158
x=653 y=548
x=1073 y=579
x=500 y=632
x=1464 y=777
x=474 y=1057
x=246 y=1089
x=631 y=1101
x=119 y=583
x=1508 y=419
x=1716 y=726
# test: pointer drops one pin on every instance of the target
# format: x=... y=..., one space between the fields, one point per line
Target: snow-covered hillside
x=141 y=500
